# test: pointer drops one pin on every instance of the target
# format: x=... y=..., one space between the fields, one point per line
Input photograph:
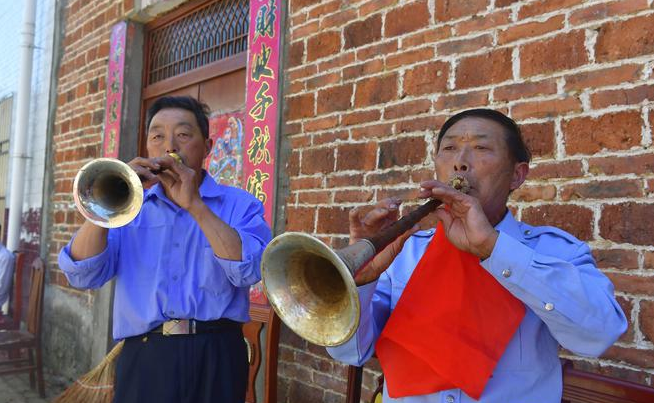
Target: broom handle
x=398 y=228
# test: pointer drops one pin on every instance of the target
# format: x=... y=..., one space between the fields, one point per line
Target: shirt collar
x=208 y=189
x=509 y=225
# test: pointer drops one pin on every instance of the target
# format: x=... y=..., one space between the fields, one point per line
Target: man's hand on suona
x=180 y=182
x=368 y=223
x=144 y=168
x=463 y=219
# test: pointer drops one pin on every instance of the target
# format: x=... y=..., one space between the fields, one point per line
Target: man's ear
x=520 y=172
x=208 y=143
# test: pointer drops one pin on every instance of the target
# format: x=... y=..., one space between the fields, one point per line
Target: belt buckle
x=177 y=326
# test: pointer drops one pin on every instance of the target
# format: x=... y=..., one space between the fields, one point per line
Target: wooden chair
x=31 y=338
x=578 y=387
x=12 y=320
x=252 y=333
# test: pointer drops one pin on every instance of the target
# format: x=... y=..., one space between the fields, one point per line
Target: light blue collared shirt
x=568 y=302
x=7 y=262
x=165 y=267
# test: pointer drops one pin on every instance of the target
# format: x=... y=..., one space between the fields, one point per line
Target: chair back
x=35 y=304
x=16 y=306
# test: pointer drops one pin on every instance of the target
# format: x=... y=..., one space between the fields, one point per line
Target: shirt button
x=449 y=399
x=174 y=278
x=176 y=244
x=171 y=313
x=549 y=306
x=506 y=273
x=528 y=232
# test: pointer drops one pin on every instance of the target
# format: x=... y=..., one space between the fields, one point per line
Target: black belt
x=192 y=326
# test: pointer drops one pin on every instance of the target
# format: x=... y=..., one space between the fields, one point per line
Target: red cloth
x=450 y=326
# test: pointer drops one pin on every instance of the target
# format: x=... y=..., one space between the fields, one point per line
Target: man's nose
x=171 y=145
x=461 y=163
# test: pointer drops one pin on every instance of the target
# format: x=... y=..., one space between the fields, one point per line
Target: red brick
x=540 y=138
x=489 y=68
x=426 y=37
x=616 y=259
x=532 y=193
x=374 y=51
x=504 y=3
x=627 y=306
x=447 y=10
x=302 y=72
x=319 y=160
x=530 y=29
x=325 y=7
x=330 y=137
x=363 y=69
x=372 y=131
x=424 y=123
x=603 y=77
x=468 y=45
x=301 y=106
x=545 y=109
x=402 y=194
x=300 y=32
x=300 y=219
x=625 y=39
x=332 y=220
x=338 y=19
x=322 y=45
x=426 y=78
x=323 y=80
x=648 y=262
x=304 y=392
x=628 y=223
x=394 y=177
x=562 y=52
x=409 y=57
x=305 y=183
x=409 y=108
x=375 y=90
x=632 y=284
x=647 y=319
x=359 y=156
x=462 y=101
x=297 y=5
x=605 y=10
x=627 y=96
x=342 y=59
x=403 y=151
x=344 y=180
x=321 y=124
x=357 y=117
x=374 y=6
x=545 y=6
x=616 y=131
x=295 y=54
x=408 y=18
x=619 y=165
x=643 y=358
x=354 y=196
x=528 y=89
x=602 y=190
x=314 y=197
x=361 y=33
x=576 y=220
x=335 y=99
x=480 y=23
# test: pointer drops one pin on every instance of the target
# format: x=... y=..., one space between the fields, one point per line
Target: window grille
x=211 y=33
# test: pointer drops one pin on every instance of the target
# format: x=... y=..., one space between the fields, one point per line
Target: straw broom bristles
x=97 y=386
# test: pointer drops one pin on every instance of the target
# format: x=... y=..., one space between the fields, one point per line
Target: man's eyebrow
x=476 y=136
x=186 y=124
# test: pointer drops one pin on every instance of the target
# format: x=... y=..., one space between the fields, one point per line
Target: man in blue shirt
x=568 y=301
x=183 y=268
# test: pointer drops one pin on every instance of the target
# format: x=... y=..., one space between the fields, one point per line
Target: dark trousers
x=199 y=368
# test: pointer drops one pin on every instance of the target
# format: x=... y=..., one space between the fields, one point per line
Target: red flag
x=450 y=326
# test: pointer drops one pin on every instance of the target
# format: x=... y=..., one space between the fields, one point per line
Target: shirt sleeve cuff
x=84 y=266
x=246 y=271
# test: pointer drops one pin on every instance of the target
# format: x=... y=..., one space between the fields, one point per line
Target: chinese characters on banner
x=115 y=73
x=262 y=106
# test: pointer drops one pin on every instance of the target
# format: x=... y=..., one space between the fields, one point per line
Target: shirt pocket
x=212 y=278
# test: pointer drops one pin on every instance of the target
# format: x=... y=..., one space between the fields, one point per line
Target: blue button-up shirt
x=568 y=302
x=164 y=265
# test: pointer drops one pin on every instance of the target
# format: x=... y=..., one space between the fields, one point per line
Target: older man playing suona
x=476 y=309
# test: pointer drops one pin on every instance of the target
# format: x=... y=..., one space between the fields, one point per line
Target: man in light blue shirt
x=568 y=301
x=7 y=261
x=183 y=268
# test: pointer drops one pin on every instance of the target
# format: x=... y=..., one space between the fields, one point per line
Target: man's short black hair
x=199 y=109
x=517 y=147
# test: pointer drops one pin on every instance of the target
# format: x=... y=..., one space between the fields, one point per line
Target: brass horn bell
x=108 y=192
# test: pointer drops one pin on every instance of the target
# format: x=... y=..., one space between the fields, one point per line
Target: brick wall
x=368 y=83
x=79 y=115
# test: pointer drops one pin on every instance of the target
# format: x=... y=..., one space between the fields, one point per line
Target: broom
x=96 y=386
